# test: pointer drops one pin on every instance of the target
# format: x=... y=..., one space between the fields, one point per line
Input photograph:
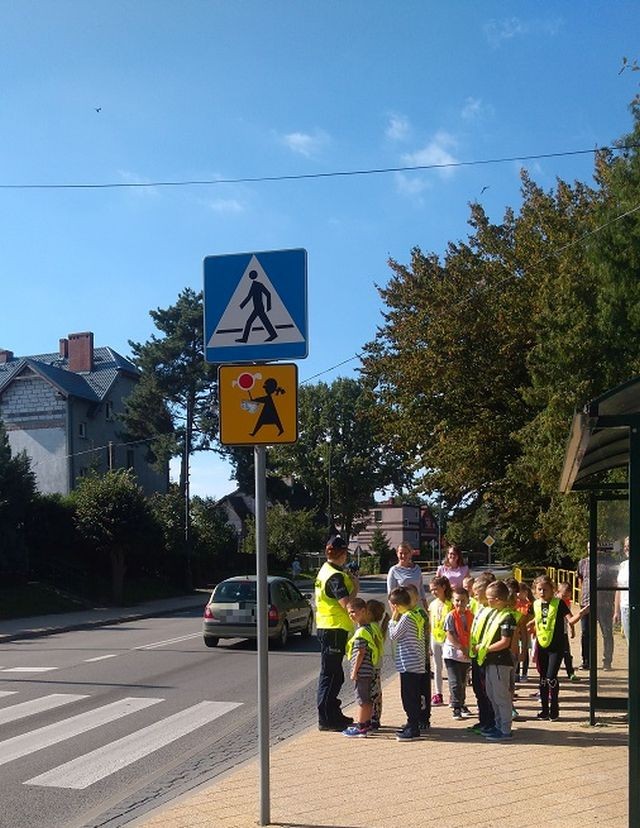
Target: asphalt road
x=99 y=726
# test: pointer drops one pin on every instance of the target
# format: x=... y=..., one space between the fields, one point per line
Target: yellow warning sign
x=258 y=404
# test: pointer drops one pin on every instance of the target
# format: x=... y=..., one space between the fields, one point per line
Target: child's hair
x=544 y=579
x=357 y=603
x=468 y=581
x=499 y=590
x=378 y=613
x=564 y=588
x=461 y=591
x=527 y=590
x=484 y=580
x=399 y=597
x=442 y=581
x=412 y=589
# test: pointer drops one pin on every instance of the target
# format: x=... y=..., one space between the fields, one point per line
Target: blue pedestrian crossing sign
x=255 y=306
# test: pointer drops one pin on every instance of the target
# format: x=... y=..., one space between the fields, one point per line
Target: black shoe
x=331 y=727
x=542 y=716
x=424 y=727
x=403 y=728
x=345 y=721
x=407 y=734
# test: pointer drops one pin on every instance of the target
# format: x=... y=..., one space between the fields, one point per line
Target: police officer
x=334 y=587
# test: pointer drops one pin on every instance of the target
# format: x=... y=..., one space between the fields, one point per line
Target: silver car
x=232 y=608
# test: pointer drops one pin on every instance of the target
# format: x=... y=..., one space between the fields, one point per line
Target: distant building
x=400 y=522
x=62 y=409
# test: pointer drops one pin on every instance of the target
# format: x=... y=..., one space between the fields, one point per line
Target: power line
x=208 y=182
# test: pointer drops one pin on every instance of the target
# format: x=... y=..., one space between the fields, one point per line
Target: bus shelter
x=604 y=436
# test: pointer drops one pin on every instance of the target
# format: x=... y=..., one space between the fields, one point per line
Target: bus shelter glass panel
x=611 y=598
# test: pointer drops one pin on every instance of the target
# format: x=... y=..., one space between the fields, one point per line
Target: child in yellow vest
x=364 y=653
x=439 y=608
x=425 y=695
x=378 y=621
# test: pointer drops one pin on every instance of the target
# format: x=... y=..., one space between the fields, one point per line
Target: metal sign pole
x=259 y=454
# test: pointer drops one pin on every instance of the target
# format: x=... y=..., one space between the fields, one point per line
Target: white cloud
x=226 y=205
x=412 y=185
x=129 y=177
x=307 y=144
x=435 y=153
x=398 y=128
x=499 y=31
x=473 y=108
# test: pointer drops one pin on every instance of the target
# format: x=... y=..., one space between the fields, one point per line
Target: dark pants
x=485 y=709
x=425 y=694
x=457 y=676
x=567 y=657
x=548 y=667
x=333 y=644
x=411 y=688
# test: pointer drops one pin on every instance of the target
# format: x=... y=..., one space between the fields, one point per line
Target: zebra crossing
x=88 y=768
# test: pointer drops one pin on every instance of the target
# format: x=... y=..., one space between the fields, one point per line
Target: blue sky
x=247 y=88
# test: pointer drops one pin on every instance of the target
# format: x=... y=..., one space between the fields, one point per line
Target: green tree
x=382 y=548
x=113 y=516
x=342 y=456
x=17 y=493
x=289 y=533
x=175 y=403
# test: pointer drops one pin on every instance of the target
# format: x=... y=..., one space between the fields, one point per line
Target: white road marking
x=100 y=658
x=85 y=770
x=44 y=737
x=30 y=708
x=27 y=669
x=168 y=641
x=7 y=693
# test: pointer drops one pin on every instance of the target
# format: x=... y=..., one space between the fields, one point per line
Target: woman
x=406 y=572
x=453 y=568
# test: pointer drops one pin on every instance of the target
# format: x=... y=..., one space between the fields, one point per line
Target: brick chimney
x=80 y=351
x=5 y=356
x=64 y=348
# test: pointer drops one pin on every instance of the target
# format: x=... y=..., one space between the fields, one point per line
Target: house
x=400 y=522
x=238 y=508
x=62 y=409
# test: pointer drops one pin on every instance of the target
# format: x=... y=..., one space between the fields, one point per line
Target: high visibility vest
x=417 y=614
x=545 y=628
x=438 y=611
x=330 y=614
x=474 y=605
x=493 y=624
x=372 y=643
x=477 y=628
x=376 y=632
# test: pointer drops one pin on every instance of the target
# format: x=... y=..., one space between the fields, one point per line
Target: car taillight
x=274 y=615
x=207 y=612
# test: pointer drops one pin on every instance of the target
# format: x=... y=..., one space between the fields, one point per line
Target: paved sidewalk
x=561 y=773
x=40 y=625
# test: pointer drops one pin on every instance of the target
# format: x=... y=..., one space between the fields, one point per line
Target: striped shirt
x=408 y=649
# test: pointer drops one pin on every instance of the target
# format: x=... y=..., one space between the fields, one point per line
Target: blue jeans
x=333 y=644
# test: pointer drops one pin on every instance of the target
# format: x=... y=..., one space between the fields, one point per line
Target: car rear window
x=233 y=592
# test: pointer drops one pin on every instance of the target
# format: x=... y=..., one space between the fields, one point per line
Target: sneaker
x=543 y=717
x=554 y=718
x=403 y=728
x=424 y=727
x=355 y=731
x=499 y=737
x=490 y=731
x=607 y=666
x=574 y=677
x=475 y=729
x=584 y=666
x=457 y=713
x=514 y=713
x=517 y=677
x=523 y=678
x=466 y=713
x=407 y=735
x=374 y=725
x=345 y=721
x=334 y=728
x=436 y=700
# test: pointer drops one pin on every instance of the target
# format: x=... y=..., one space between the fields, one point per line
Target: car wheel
x=307 y=630
x=282 y=639
x=211 y=640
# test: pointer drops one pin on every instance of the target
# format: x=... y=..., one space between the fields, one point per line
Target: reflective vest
x=376 y=632
x=545 y=628
x=474 y=605
x=417 y=613
x=373 y=643
x=438 y=611
x=492 y=625
x=330 y=614
x=477 y=628
x=463 y=631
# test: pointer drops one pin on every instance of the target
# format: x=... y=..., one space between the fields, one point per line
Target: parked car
x=232 y=609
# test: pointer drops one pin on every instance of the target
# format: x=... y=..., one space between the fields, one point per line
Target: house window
x=83 y=471
x=108 y=410
x=82 y=430
x=130 y=459
x=377 y=516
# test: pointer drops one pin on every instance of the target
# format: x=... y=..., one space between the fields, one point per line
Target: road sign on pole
x=258 y=404
x=255 y=306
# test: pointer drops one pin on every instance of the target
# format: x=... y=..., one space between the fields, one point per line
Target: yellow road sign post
x=258 y=404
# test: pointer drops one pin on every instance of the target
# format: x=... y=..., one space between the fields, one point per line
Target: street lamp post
x=329 y=512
